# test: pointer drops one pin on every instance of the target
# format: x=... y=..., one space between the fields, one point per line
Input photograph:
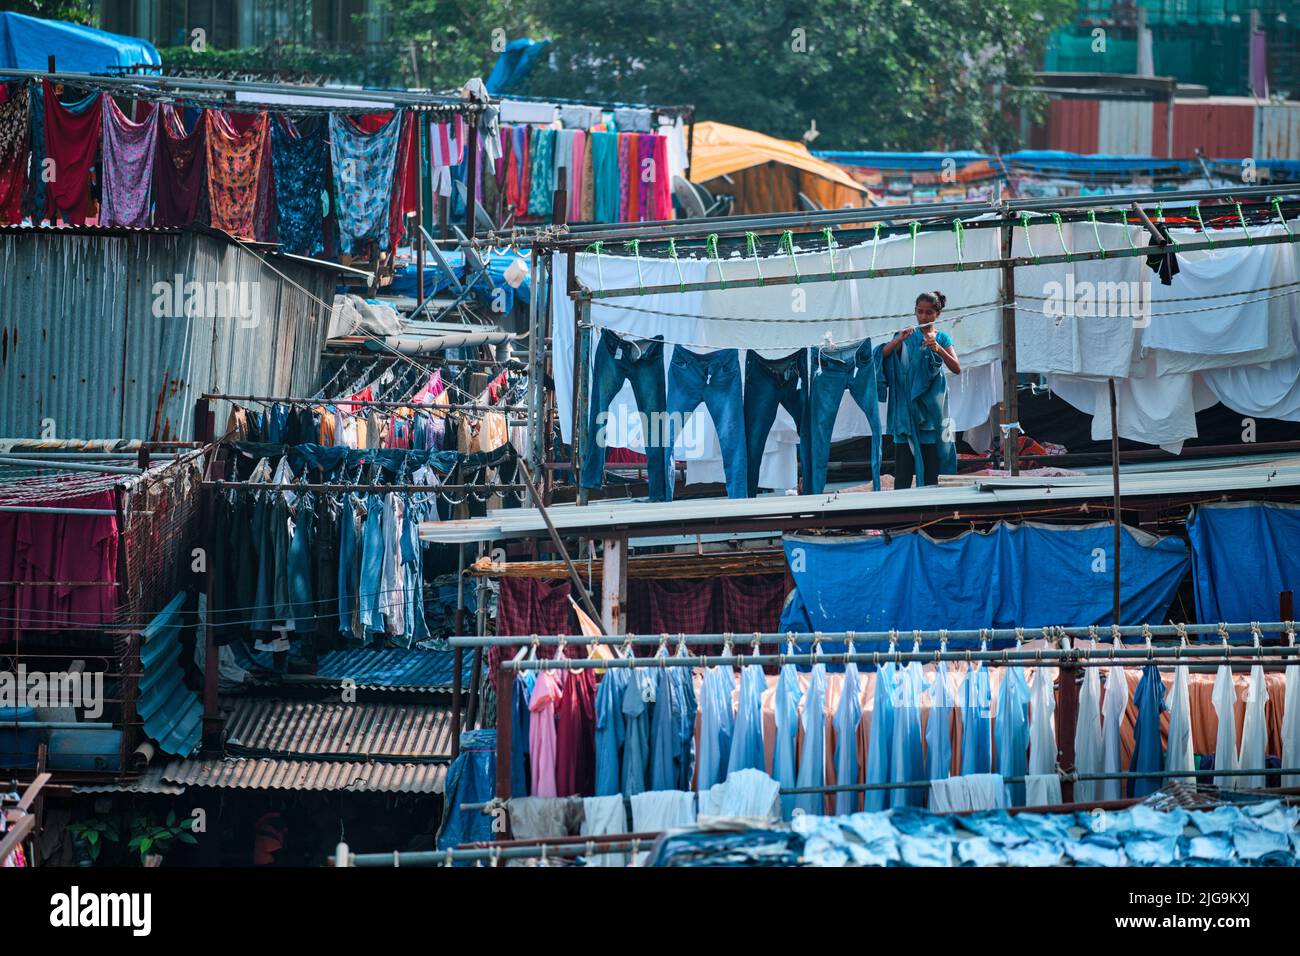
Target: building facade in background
x=238 y=24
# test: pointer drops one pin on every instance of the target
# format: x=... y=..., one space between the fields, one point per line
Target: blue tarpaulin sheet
x=27 y=42
x=1027 y=575
x=485 y=287
x=1243 y=555
x=514 y=63
x=470 y=779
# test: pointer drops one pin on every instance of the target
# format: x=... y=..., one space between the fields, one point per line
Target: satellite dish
x=688 y=197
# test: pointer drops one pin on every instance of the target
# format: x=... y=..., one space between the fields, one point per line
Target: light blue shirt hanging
x=788 y=695
x=638 y=705
x=663 y=733
x=1011 y=729
x=717 y=723
x=938 y=727
x=881 y=744
x=1147 y=753
x=976 y=717
x=907 y=761
x=684 y=710
x=848 y=715
x=609 y=730
x=812 y=755
x=747 y=739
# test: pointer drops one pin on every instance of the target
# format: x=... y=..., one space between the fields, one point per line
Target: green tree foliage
x=872 y=74
x=74 y=11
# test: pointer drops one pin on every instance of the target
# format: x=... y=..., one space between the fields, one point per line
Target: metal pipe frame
x=942 y=267
x=1275 y=657
x=816 y=220
x=1099 y=632
x=180 y=86
x=358 y=403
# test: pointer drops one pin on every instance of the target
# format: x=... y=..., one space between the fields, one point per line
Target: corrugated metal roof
x=151 y=781
x=394 y=669
x=361 y=730
x=267 y=774
x=171 y=712
x=1277 y=131
x=710 y=512
x=79 y=316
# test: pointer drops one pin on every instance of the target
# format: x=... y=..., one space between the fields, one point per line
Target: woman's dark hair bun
x=936 y=299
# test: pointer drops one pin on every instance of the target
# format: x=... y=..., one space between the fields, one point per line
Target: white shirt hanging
x=1254 y=729
x=1113 y=707
x=1291 y=726
x=1180 y=756
x=1042 y=724
x=1088 y=756
x=1224 y=699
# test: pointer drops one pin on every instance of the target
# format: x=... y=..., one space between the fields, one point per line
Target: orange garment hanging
x=235 y=164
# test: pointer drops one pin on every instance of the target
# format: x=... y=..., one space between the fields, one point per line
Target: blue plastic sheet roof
x=26 y=43
x=171 y=712
x=484 y=288
x=395 y=669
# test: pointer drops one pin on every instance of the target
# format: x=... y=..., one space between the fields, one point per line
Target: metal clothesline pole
x=361 y=403
x=1171 y=657
x=804 y=278
x=898 y=636
x=738 y=225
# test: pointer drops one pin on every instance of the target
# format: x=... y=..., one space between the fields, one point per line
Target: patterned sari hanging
x=235 y=164
x=363 y=179
x=15 y=146
x=129 y=152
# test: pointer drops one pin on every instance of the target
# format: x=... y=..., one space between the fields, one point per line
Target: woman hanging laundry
x=912 y=365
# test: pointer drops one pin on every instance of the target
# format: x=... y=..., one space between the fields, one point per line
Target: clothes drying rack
x=1162 y=645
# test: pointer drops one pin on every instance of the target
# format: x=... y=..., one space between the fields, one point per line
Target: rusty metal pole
x=1114 y=477
x=1010 y=418
x=471 y=176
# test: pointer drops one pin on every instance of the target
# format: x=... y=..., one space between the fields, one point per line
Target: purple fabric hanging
x=1259 y=64
x=181 y=182
x=129 y=152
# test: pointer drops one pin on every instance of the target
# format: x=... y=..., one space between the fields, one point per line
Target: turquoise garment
x=880 y=749
x=788 y=695
x=907 y=760
x=976 y=710
x=604 y=166
x=610 y=730
x=363 y=179
x=848 y=715
x=916 y=387
x=1011 y=730
x=747 y=738
x=541 y=172
x=638 y=698
x=938 y=727
x=1147 y=752
x=717 y=723
x=812 y=755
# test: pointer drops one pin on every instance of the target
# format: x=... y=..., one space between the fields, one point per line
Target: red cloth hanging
x=180 y=172
x=525 y=177
x=72 y=142
x=575 y=736
x=530 y=606
x=404 y=173
x=662 y=194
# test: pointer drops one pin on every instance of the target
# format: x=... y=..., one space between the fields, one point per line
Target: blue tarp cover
x=1243 y=555
x=26 y=43
x=1027 y=575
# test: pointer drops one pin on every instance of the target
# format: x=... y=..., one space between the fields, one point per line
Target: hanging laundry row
x=332 y=184
x=960 y=737
x=809 y=384
x=307 y=563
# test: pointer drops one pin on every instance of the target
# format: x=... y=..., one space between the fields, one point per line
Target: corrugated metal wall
x=80 y=343
x=1222 y=128
x=1124 y=128
x=1277 y=131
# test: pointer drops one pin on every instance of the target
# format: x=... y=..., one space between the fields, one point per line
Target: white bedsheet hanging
x=1254 y=729
x=1180 y=756
x=1088 y=756
x=1224 y=698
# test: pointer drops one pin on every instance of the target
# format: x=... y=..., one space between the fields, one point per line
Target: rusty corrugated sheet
x=1072 y=125
x=268 y=774
x=1277 y=131
x=338 y=729
x=1222 y=127
x=82 y=348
